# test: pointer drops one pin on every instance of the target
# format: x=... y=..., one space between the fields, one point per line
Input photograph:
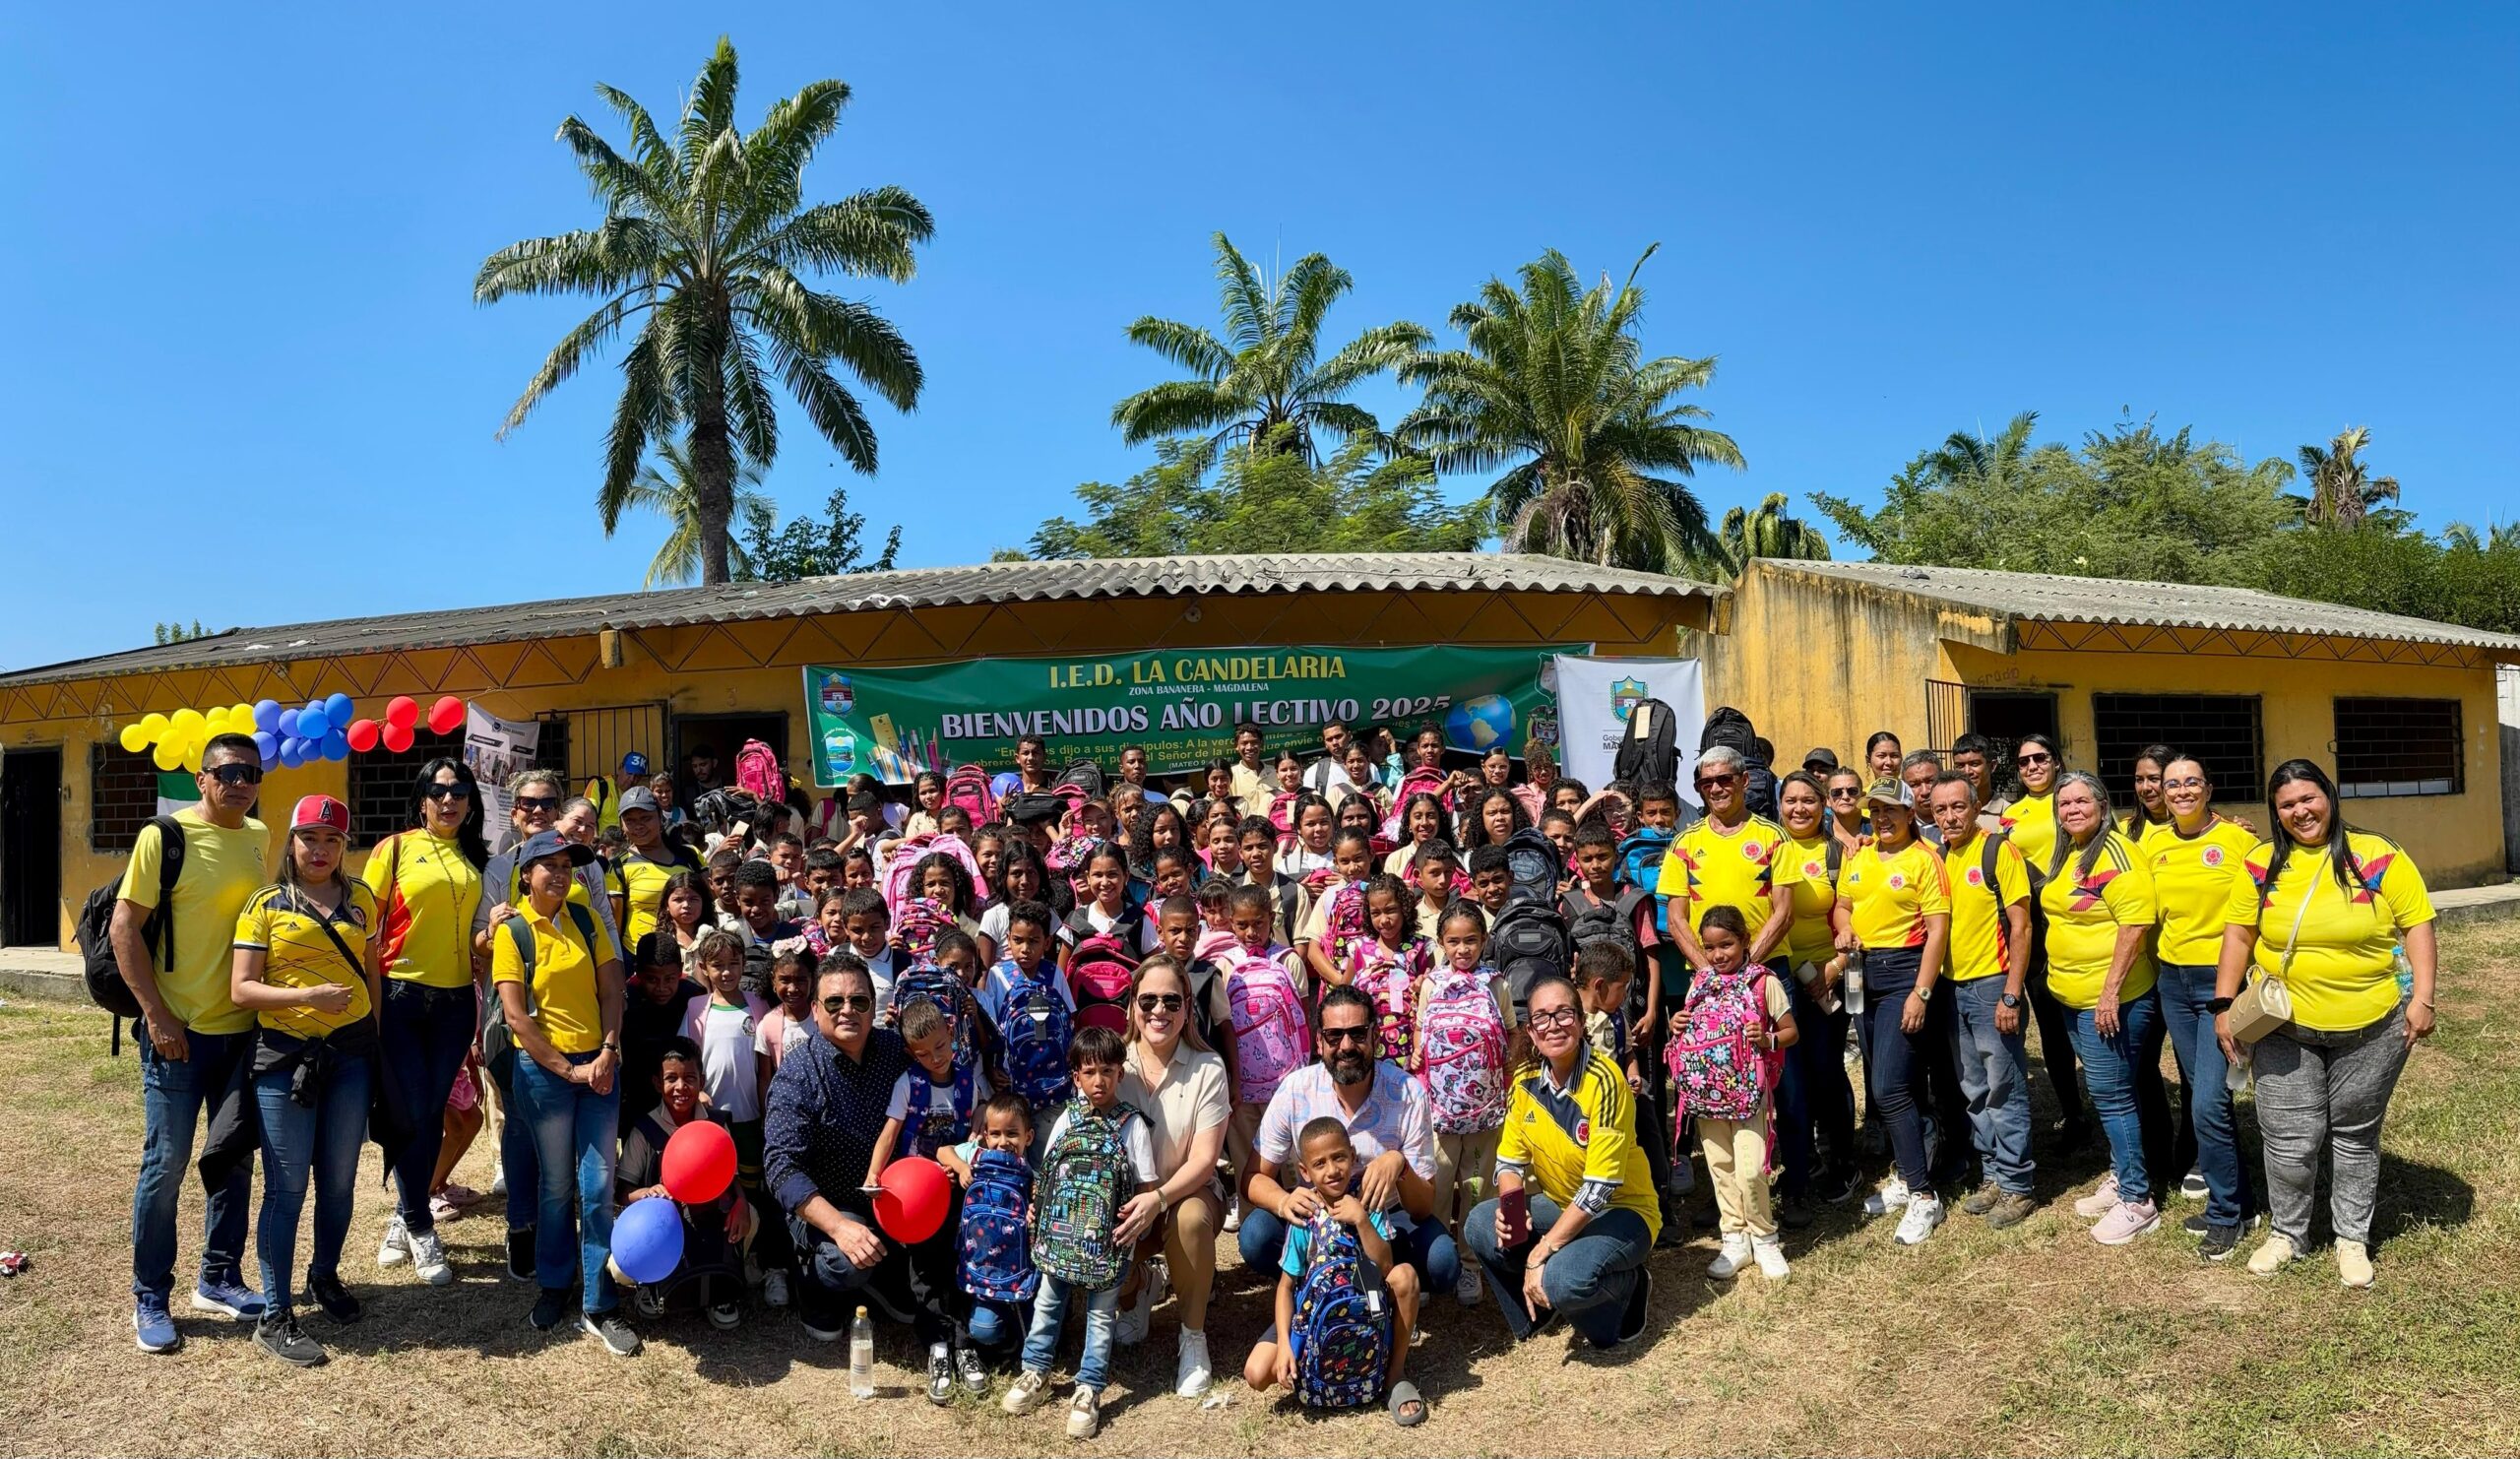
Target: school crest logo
x=838 y=696
x=2213 y=855
x=1625 y=696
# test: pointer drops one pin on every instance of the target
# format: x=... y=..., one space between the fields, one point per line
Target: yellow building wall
x=756 y=667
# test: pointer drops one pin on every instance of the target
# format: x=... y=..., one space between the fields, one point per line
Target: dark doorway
x=2005 y=719
x=725 y=735
x=31 y=848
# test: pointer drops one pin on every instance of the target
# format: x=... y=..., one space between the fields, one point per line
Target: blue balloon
x=336 y=744
x=291 y=754
x=268 y=744
x=286 y=724
x=338 y=711
x=267 y=716
x=313 y=724
x=646 y=1240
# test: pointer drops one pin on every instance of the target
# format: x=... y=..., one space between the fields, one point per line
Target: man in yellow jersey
x=1989 y=963
x=2030 y=823
x=200 y=1045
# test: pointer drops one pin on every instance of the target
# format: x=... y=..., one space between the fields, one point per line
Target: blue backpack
x=996 y=1260
x=1035 y=1030
x=1340 y=1334
x=929 y=984
x=935 y=1130
x=1640 y=868
x=1085 y=1180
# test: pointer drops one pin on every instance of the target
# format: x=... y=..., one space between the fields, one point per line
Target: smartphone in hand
x=1514 y=1212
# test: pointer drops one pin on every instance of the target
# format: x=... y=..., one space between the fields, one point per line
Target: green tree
x=668 y=486
x=824 y=546
x=1770 y=531
x=1553 y=386
x=2461 y=535
x=1266 y=498
x=703 y=242
x=2343 y=492
x=1264 y=381
x=177 y=632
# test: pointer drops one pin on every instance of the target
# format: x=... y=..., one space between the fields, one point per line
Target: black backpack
x=105 y=986
x=1649 y=748
x=1528 y=942
x=1086 y=776
x=1533 y=861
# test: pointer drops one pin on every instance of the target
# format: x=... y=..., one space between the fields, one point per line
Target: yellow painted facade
x=755 y=667
x=1825 y=662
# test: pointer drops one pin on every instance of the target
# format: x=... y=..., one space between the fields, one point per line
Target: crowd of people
x=1398 y=1028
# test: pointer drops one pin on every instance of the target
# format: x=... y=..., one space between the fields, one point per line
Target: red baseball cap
x=320 y=810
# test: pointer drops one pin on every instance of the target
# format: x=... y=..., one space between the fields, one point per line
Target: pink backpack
x=1461 y=1052
x=968 y=787
x=909 y=852
x=1099 y=971
x=1715 y=1058
x=1389 y=978
x=1412 y=784
x=1268 y=1023
x=1344 y=923
x=757 y=773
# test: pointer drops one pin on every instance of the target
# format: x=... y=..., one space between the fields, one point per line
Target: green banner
x=1183 y=704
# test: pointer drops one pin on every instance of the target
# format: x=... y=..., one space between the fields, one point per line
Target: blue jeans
x=996 y=1325
x=518 y=1164
x=427 y=1031
x=174 y=1095
x=1587 y=1282
x=2110 y=1070
x=1898 y=1058
x=1994 y=1079
x=574 y=1129
x=2183 y=991
x=1425 y=1246
x=1050 y=1314
x=321 y=1140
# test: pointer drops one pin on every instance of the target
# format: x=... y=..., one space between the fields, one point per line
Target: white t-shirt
x=728 y=1061
x=1133 y=1136
x=878 y=968
x=789 y=1033
x=940 y=1097
x=1300 y=863
x=1101 y=921
x=999 y=985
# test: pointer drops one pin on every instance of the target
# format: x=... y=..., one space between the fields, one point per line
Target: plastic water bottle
x=1854 y=982
x=861 y=1357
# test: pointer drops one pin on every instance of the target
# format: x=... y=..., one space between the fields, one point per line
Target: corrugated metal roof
x=2052 y=599
x=913 y=588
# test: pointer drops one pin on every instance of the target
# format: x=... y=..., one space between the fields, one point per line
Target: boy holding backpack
x=1095 y=1198
x=1345 y=1305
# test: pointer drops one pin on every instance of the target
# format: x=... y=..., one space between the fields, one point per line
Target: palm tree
x=668 y=486
x=2496 y=537
x=1990 y=461
x=1265 y=372
x=1769 y=532
x=2342 y=492
x=1552 y=386
x=702 y=242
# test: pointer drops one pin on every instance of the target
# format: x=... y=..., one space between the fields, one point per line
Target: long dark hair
x=695 y=883
x=467 y=836
x=1443 y=817
x=2340 y=855
x=2139 y=817
x=1474 y=819
x=1020 y=850
x=956 y=872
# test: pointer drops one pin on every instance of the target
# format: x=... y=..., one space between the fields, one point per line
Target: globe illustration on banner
x=1480 y=723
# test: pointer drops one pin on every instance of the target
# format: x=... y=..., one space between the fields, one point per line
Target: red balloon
x=446 y=716
x=396 y=737
x=912 y=1204
x=699 y=1160
x=403 y=710
x=362 y=735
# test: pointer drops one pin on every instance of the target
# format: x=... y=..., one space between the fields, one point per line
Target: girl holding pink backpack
x=1464 y=1017
x=1725 y=1053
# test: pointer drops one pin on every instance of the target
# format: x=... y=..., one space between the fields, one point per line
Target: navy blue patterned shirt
x=826 y=1111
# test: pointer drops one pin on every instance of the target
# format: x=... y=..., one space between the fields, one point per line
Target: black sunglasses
x=848 y=1003
x=2035 y=757
x=1158 y=1002
x=1357 y=1034
x=235 y=773
x=440 y=790
x=536 y=802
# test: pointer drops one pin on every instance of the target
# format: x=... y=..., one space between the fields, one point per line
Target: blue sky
x=242 y=246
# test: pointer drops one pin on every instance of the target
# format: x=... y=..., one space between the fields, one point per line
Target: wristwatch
x=2218 y=1005
x=611 y=1045
x=2010 y=1001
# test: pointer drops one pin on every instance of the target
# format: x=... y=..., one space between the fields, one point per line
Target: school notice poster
x=1181 y=704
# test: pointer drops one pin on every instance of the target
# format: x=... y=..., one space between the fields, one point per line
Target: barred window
x=2400 y=747
x=381 y=784
x=2223 y=732
x=122 y=795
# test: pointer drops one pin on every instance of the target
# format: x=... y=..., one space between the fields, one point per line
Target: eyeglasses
x=1557 y=1018
x=850 y=1003
x=2035 y=757
x=536 y=803
x=235 y=773
x=444 y=791
x=1158 y=1002
x=1359 y=1034
x=2184 y=783
x=1844 y=792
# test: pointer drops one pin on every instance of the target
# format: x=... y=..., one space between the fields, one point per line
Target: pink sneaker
x=2101 y=1201
x=2125 y=1221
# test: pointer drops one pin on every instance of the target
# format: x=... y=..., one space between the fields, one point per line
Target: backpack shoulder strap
x=520 y=936
x=170 y=869
x=585 y=924
x=1837 y=856
x=1987 y=859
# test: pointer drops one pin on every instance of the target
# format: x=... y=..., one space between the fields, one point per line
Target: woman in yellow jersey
x=1818 y=1059
x=306 y=968
x=2151 y=810
x=427 y=883
x=2101 y=908
x=1895 y=908
x=2029 y=821
x=1848 y=825
x=2198 y=858
x=2324 y=908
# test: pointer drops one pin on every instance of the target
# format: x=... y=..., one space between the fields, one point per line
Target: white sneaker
x=1024 y=1394
x=1232 y=1214
x=1924 y=1213
x=1129 y=1329
x=397 y=1247
x=1084 y=1415
x=774 y=1289
x=1771 y=1258
x=1193 y=1376
x=1735 y=1255
x=428 y=1258
x=1892 y=1196
x=2102 y=1201
x=498 y=1185
x=2194 y=1186
x=1468 y=1290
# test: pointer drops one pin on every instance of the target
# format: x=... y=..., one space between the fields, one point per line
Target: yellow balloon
x=215 y=722
x=166 y=756
x=240 y=718
x=192 y=757
x=152 y=727
x=187 y=720
x=133 y=738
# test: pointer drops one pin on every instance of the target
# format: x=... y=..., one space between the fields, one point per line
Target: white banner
x=1594 y=696
x=497 y=748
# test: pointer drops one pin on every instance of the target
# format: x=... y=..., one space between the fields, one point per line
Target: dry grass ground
x=2033 y=1340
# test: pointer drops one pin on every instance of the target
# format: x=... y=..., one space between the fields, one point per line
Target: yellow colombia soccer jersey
x=641 y=883
x=288 y=926
x=1815 y=891
x=1585 y=1135
x=426 y=892
x=2193 y=877
x=2031 y=822
x=2344 y=969
x=2084 y=914
x=566 y=996
x=1981 y=934
x=1889 y=897
x=1710 y=868
x=222 y=869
